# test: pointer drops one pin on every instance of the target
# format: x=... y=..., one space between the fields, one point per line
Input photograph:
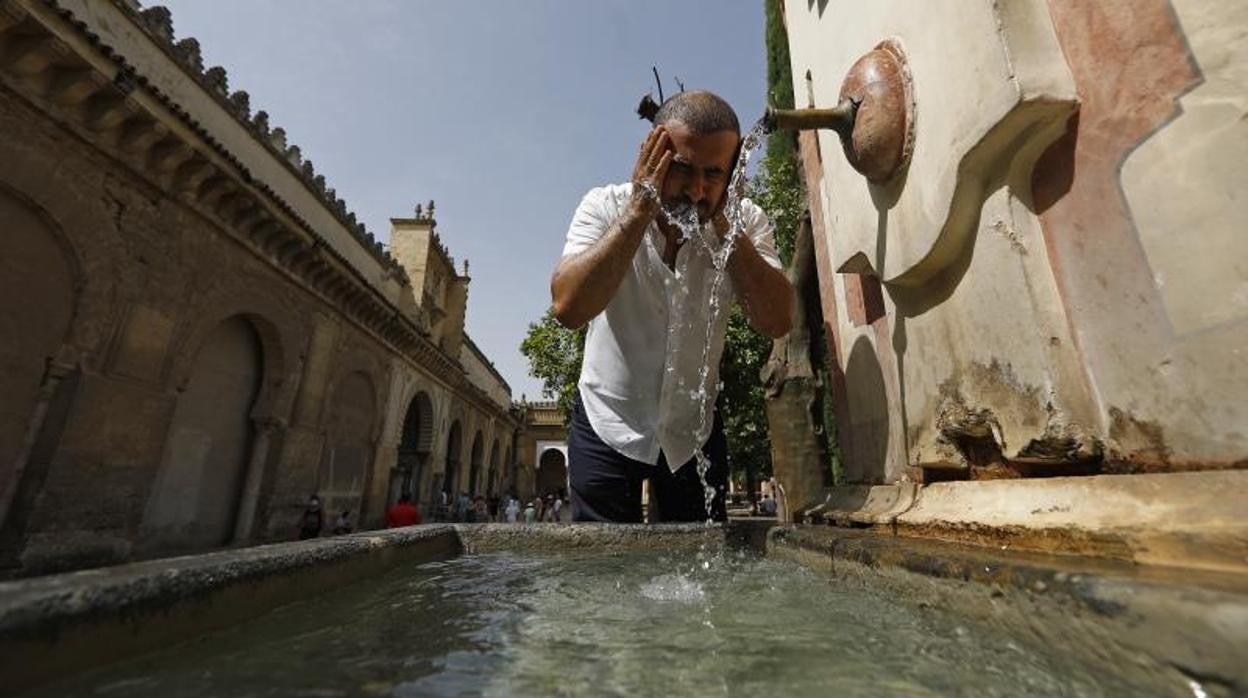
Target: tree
x=555 y=353
x=778 y=190
x=741 y=400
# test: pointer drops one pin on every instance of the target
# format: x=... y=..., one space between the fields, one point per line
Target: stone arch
x=37 y=263
x=475 y=463
x=281 y=335
x=194 y=502
x=415 y=444
x=275 y=342
x=350 y=435
x=552 y=471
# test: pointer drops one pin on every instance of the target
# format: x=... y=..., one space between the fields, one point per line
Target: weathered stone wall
x=190 y=360
x=483 y=375
x=1054 y=285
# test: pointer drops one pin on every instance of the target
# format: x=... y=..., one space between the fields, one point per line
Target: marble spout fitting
x=874 y=117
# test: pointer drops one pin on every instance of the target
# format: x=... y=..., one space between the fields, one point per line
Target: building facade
x=197 y=333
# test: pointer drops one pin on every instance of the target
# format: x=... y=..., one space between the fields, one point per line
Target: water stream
x=685 y=219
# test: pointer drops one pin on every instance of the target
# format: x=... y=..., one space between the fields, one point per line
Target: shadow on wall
x=1037 y=188
x=868 y=410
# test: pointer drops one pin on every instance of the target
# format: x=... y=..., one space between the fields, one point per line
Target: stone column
x=249 y=500
x=56 y=371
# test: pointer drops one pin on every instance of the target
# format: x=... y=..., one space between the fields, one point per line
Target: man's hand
x=585 y=282
x=650 y=172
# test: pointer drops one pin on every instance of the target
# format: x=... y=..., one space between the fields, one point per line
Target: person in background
x=480 y=511
x=403 y=513
x=556 y=509
x=343 y=524
x=767 y=507
x=312 y=520
x=530 y=513
x=512 y=511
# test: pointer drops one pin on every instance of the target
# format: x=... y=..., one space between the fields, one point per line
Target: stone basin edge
x=1173 y=626
x=1192 y=520
x=61 y=624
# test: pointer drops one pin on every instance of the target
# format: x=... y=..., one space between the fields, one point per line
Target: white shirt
x=636 y=400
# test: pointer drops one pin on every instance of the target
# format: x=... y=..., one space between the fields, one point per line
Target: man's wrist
x=743 y=247
x=638 y=214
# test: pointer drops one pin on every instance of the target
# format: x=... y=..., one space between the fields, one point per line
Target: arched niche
x=194 y=501
x=38 y=296
x=552 y=472
x=415 y=446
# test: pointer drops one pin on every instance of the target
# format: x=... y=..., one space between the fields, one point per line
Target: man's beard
x=682 y=209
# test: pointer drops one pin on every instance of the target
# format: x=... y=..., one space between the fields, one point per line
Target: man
x=312 y=520
x=480 y=511
x=403 y=513
x=767 y=507
x=646 y=295
x=343 y=525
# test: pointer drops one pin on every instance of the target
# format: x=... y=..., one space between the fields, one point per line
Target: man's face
x=700 y=169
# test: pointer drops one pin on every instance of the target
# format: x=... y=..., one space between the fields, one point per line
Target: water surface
x=601 y=623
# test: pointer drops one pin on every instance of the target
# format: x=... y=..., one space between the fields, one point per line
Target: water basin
x=699 y=621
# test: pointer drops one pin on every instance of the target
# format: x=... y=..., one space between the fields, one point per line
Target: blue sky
x=504 y=112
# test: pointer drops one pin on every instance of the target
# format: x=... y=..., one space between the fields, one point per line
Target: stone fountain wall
x=1057 y=284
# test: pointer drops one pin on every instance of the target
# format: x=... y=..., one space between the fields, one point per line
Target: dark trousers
x=606 y=486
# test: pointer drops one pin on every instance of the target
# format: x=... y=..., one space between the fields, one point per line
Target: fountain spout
x=875 y=115
x=839 y=118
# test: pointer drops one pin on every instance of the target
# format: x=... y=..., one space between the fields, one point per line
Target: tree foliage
x=555 y=354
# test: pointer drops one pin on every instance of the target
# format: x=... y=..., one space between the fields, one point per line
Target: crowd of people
x=465 y=508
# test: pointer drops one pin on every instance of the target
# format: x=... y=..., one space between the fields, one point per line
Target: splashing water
x=684 y=218
x=673 y=587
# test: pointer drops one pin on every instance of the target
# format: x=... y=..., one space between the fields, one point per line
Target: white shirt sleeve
x=762 y=234
x=590 y=222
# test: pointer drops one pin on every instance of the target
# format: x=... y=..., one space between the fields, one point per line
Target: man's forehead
x=707 y=150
